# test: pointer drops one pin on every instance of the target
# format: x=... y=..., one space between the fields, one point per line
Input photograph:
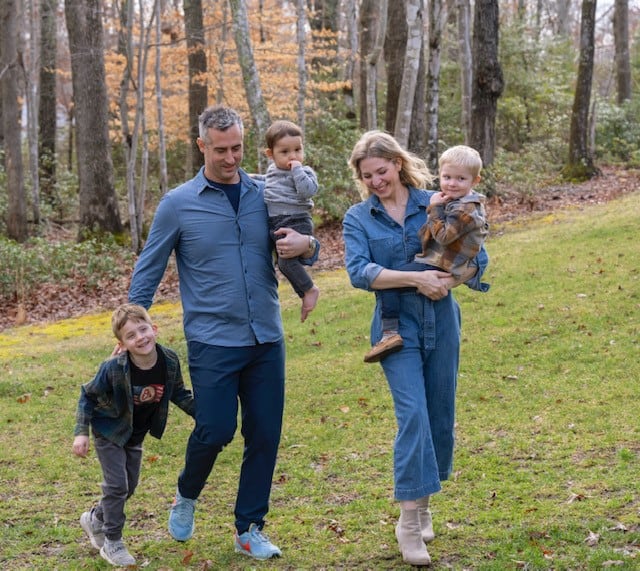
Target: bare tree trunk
x=418 y=129
x=140 y=123
x=580 y=164
x=302 y=68
x=324 y=14
x=394 y=49
x=621 y=37
x=197 y=59
x=250 y=76
x=366 y=36
x=415 y=32
x=98 y=199
x=137 y=195
x=222 y=53
x=125 y=49
x=373 y=23
x=162 y=143
x=563 y=17
x=466 y=64
x=349 y=14
x=437 y=19
x=2 y=72
x=47 y=111
x=9 y=73
x=32 y=75
x=487 y=79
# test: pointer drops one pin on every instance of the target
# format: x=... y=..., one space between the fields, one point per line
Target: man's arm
x=154 y=257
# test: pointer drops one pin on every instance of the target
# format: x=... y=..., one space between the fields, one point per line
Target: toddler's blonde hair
x=462 y=156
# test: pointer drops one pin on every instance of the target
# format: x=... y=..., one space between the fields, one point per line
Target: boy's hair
x=462 y=156
x=280 y=129
x=128 y=312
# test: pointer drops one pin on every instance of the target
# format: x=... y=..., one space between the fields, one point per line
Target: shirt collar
x=417 y=200
x=247 y=183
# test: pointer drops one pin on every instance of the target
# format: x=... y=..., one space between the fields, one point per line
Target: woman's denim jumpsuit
x=422 y=375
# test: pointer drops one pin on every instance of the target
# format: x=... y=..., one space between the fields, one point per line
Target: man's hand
x=292 y=244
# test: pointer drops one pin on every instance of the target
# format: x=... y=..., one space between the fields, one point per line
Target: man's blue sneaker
x=255 y=544
x=181 y=523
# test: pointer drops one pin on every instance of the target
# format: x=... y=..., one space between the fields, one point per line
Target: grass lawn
x=548 y=436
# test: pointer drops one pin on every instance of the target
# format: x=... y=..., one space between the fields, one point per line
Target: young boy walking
x=289 y=186
x=128 y=397
x=453 y=234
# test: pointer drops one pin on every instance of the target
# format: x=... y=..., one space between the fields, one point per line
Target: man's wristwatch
x=313 y=243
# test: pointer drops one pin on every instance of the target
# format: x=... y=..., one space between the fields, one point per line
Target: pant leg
x=389 y=300
x=422 y=378
x=134 y=463
x=292 y=268
x=415 y=466
x=295 y=272
x=215 y=377
x=441 y=379
x=115 y=488
x=262 y=402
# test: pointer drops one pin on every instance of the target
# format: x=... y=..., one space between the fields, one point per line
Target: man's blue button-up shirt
x=228 y=284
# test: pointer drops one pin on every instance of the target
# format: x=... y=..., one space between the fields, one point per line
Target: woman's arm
x=430 y=283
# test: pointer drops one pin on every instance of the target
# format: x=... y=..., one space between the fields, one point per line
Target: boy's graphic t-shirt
x=148 y=387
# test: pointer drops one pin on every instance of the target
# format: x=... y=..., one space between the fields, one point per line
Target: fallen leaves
x=56 y=301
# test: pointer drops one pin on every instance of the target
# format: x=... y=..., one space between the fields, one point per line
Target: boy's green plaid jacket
x=106 y=402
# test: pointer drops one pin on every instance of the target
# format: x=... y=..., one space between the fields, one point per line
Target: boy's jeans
x=120 y=472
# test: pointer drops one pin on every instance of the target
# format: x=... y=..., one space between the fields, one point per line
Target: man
x=216 y=224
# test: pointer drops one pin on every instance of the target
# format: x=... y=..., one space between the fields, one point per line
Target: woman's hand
x=464 y=276
x=432 y=284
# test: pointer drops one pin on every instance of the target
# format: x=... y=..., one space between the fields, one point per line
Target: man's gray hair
x=218 y=117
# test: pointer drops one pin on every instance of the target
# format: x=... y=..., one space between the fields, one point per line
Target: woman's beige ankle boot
x=409 y=536
x=426 y=524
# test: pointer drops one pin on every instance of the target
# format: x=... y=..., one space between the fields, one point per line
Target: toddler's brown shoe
x=390 y=343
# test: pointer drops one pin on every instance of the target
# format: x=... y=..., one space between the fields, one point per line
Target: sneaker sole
x=239 y=549
x=179 y=537
x=381 y=354
x=106 y=558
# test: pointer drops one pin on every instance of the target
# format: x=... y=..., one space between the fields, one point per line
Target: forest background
x=100 y=99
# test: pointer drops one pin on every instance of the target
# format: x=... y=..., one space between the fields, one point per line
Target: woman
x=381 y=235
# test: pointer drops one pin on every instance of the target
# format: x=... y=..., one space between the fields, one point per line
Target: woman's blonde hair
x=380 y=145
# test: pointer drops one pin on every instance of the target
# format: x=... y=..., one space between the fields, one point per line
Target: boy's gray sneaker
x=93 y=528
x=116 y=553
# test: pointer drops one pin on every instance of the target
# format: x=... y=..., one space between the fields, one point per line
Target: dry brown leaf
x=592 y=539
